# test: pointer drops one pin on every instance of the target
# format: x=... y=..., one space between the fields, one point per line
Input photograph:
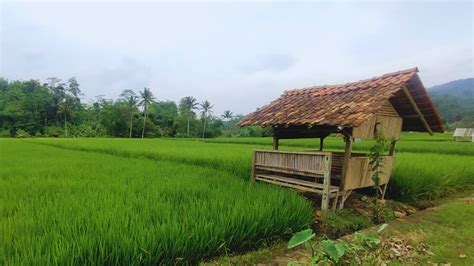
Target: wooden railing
x=285 y=167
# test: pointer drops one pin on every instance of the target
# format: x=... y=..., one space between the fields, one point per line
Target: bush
x=54 y=131
x=5 y=133
x=20 y=133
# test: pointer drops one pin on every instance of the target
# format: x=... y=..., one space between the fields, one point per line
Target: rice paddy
x=152 y=201
x=71 y=207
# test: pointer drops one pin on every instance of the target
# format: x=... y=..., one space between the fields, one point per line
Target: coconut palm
x=146 y=99
x=132 y=100
x=206 y=111
x=66 y=108
x=188 y=104
x=227 y=115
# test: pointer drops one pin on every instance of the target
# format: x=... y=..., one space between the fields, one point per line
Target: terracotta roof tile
x=349 y=104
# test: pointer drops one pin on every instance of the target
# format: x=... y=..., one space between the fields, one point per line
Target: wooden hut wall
x=387 y=121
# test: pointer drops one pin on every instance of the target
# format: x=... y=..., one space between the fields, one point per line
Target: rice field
x=71 y=207
x=152 y=201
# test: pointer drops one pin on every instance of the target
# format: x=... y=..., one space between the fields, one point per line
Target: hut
x=464 y=134
x=390 y=103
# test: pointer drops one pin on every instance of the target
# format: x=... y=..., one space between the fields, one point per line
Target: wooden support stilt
x=275 y=142
x=347 y=157
x=326 y=183
x=391 y=151
x=334 y=201
x=321 y=143
x=252 y=174
x=344 y=197
x=384 y=190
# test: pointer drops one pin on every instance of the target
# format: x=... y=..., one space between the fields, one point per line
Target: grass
x=448 y=232
x=71 y=207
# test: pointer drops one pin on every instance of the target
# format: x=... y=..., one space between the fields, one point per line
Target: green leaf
x=334 y=250
x=300 y=238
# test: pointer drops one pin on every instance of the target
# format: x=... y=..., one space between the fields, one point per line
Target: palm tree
x=227 y=115
x=132 y=100
x=147 y=99
x=66 y=108
x=206 y=111
x=188 y=104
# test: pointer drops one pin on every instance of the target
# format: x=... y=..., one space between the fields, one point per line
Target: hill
x=455 y=102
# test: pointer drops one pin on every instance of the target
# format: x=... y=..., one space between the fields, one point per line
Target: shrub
x=20 y=133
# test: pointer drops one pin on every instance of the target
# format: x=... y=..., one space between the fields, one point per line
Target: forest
x=57 y=109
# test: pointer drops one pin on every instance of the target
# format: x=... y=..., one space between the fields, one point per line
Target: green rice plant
x=428 y=172
x=429 y=176
x=70 y=207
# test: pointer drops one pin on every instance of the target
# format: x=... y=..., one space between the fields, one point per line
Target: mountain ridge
x=455 y=102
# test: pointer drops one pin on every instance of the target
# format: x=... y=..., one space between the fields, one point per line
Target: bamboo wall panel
x=291 y=162
x=386 y=119
x=391 y=127
x=359 y=174
x=366 y=130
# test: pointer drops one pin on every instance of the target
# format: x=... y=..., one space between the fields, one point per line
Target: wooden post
x=321 y=143
x=252 y=174
x=347 y=157
x=391 y=151
x=275 y=142
x=326 y=183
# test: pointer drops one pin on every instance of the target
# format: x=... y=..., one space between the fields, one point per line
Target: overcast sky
x=239 y=56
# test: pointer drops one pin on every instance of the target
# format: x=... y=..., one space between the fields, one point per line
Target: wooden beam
x=321 y=143
x=417 y=110
x=275 y=142
x=347 y=157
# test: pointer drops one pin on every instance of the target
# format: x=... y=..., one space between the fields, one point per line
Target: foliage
x=20 y=133
x=333 y=251
x=300 y=238
x=35 y=107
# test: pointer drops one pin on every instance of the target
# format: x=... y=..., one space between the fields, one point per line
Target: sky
x=238 y=55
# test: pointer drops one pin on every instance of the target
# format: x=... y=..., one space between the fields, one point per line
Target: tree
x=147 y=98
x=227 y=115
x=131 y=99
x=206 y=111
x=187 y=105
x=66 y=108
x=73 y=88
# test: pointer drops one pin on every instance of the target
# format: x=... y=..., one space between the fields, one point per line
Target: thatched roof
x=351 y=104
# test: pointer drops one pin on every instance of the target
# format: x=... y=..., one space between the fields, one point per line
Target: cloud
x=273 y=63
x=129 y=73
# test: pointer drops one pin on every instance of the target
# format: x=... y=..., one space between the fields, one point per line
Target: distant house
x=464 y=134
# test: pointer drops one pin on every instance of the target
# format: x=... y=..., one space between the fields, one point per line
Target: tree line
x=56 y=109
